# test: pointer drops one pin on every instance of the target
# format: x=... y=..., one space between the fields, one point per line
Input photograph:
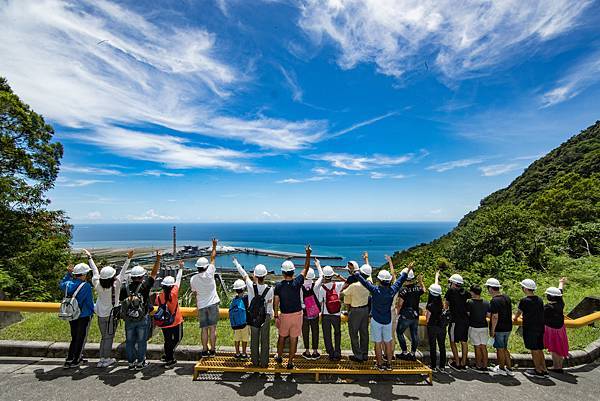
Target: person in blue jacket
x=76 y=277
x=382 y=297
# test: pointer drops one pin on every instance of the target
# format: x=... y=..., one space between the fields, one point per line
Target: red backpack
x=332 y=300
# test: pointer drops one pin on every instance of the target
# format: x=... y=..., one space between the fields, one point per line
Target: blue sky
x=204 y=111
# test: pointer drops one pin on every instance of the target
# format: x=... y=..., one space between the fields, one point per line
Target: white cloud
x=498 y=169
x=324 y=171
x=289 y=181
x=451 y=165
x=577 y=79
x=363 y=124
x=298 y=181
x=456 y=38
x=159 y=173
x=435 y=211
x=94 y=215
x=358 y=163
x=69 y=168
x=269 y=215
x=151 y=214
x=292 y=81
x=71 y=183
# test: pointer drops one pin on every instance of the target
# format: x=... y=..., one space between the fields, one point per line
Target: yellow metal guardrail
x=52 y=307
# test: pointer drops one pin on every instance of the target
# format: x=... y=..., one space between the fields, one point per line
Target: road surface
x=44 y=379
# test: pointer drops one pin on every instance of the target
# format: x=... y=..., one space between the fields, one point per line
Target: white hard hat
x=328 y=271
x=554 y=292
x=202 y=262
x=354 y=265
x=137 y=271
x=311 y=274
x=81 y=269
x=239 y=284
x=168 y=281
x=492 y=282
x=260 y=271
x=107 y=272
x=384 y=275
x=456 y=279
x=288 y=266
x=410 y=275
x=529 y=284
x=366 y=269
x=435 y=289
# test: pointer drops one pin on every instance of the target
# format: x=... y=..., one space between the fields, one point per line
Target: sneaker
x=278 y=360
x=307 y=355
x=170 y=364
x=380 y=368
x=402 y=356
x=75 y=364
x=509 y=372
x=441 y=369
x=557 y=370
x=244 y=356
x=163 y=358
x=289 y=366
x=131 y=366
x=533 y=373
x=354 y=359
x=454 y=366
x=67 y=365
x=237 y=356
x=411 y=357
x=315 y=355
x=481 y=370
x=101 y=363
x=109 y=362
x=142 y=365
x=205 y=354
x=212 y=352
x=462 y=367
x=497 y=371
x=331 y=358
x=387 y=366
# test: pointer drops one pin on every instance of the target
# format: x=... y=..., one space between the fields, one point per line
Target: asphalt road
x=44 y=379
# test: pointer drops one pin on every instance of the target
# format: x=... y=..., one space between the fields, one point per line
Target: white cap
x=554 y=292
x=260 y=270
x=311 y=274
x=107 y=272
x=202 y=262
x=168 y=281
x=366 y=269
x=137 y=271
x=354 y=265
x=384 y=275
x=288 y=266
x=529 y=284
x=81 y=269
x=328 y=271
x=239 y=284
x=456 y=279
x=435 y=289
x=410 y=274
x=492 y=282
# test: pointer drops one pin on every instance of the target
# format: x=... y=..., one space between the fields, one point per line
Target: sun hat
x=81 y=269
x=384 y=275
x=260 y=270
x=137 y=271
x=366 y=269
x=288 y=266
x=456 y=279
x=529 y=284
x=168 y=281
x=328 y=271
x=239 y=284
x=202 y=262
x=107 y=272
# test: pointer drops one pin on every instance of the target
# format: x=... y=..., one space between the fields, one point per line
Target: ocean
x=347 y=240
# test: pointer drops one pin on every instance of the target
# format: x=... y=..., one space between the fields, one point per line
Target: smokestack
x=174 y=242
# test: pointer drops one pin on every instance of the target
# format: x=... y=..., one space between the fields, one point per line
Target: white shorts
x=478 y=335
x=381 y=332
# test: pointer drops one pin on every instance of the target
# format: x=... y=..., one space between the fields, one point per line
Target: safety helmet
x=456 y=279
x=492 y=282
x=410 y=275
x=366 y=269
x=354 y=265
x=137 y=271
x=529 y=284
x=288 y=266
x=260 y=271
x=328 y=271
x=81 y=269
x=384 y=275
x=435 y=289
x=554 y=292
x=107 y=272
x=202 y=262
x=239 y=284
x=168 y=281
x=310 y=275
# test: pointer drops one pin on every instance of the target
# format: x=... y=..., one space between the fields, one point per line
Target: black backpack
x=257 y=311
x=133 y=308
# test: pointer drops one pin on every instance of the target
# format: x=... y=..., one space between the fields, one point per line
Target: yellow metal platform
x=225 y=362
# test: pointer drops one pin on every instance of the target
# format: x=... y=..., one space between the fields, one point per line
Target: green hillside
x=545 y=221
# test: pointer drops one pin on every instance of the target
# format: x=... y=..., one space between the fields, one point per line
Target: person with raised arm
x=168 y=315
x=260 y=310
x=357 y=297
x=203 y=284
x=135 y=309
x=288 y=308
x=436 y=325
x=107 y=285
x=407 y=309
x=311 y=310
x=329 y=296
x=382 y=297
x=456 y=302
x=555 y=334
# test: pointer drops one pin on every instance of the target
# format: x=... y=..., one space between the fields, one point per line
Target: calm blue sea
x=347 y=240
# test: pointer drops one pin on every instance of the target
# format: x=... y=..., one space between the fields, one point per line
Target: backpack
x=312 y=309
x=257 y=311
x=332 y=300
x=238 y=313
x=133 y=308
x=163 y=316
x=69 y=307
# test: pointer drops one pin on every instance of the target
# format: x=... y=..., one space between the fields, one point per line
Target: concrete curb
x=47 y=349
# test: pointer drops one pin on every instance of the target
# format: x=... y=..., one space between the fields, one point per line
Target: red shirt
x=172 y=305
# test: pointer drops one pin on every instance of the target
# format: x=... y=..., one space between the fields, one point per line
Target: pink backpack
x=311 y=305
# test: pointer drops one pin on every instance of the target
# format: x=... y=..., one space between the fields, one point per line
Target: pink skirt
x=555 y=340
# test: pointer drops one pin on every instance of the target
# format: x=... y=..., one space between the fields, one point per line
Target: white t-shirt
x=261 y=288
x=322 y=295
x=104 y=296
x=205 y=287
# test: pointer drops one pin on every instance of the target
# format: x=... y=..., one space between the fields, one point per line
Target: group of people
x=380 y=310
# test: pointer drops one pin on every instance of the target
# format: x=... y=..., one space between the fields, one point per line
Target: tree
x=34 y=241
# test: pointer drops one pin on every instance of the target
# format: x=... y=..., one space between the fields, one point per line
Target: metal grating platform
x=225 y=362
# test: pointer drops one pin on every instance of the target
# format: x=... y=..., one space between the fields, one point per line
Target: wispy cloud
x=359 y=163
x=94 y=215
x=301 y=180
x=324 y=171
x=159 y=173
x=457 y=39
x=362 y=124
x=69 y=168
x=72 y=183
x=151 y=214
x=451 y=165
x=576 y=80
x=292 y=81
x=498 y=169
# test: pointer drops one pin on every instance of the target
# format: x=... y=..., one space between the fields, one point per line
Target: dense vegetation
x=543 y=224
x=34 y=241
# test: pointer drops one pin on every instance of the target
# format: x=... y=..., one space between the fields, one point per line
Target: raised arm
x=67 y=277
x=368 y=285
x=125 y=266
x=421 y=283
x=213 y=252
x=179 y=274
x=306 y=261
x=320 y=270
x=366 y=257
x=391 y=265
x=95 y=272
x=154 y=271
x=240 y=268
x=437 y=277
x=561 y=283
x=398 y=283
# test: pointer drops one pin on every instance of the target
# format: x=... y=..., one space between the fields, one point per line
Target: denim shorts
x=381 y=332
x=501 y=339
x=208 y=316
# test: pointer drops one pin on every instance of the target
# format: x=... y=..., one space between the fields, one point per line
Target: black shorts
x=458 y=332
x=533 y=339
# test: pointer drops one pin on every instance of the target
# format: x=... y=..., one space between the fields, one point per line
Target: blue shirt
x=382 y=297
x=288 y=292
x=84 y=296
